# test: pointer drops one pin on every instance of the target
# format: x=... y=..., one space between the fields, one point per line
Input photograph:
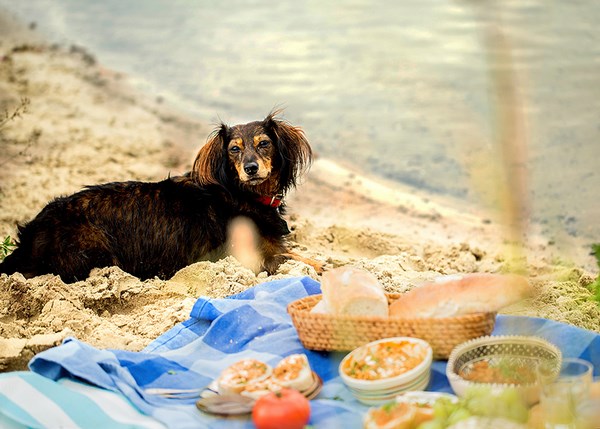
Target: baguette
x=351 y=291
x=451 y=296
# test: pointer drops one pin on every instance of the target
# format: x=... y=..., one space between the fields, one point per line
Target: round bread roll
x=456 y=295
x=320 y=308
x=351 y=291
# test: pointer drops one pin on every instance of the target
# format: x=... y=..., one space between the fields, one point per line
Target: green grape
x=519 y=413
x=476 y=392
x=432 y=424
x=458 y=415
x=442 y=408
x=506 y=403
x=511 y=406
x=480 y=405
x=510 y=396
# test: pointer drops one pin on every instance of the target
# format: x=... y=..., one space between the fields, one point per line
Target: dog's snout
x=251 y=168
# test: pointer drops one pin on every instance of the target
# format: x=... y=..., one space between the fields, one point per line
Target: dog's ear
x=210 y=165
x=294 y=150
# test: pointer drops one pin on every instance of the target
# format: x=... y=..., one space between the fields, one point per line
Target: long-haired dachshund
x=155 y=229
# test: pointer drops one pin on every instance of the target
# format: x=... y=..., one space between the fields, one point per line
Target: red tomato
x=288 y=409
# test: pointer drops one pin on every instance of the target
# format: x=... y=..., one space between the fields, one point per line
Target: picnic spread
x=76 y=385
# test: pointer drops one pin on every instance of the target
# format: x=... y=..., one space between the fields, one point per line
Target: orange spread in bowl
x=384 y=360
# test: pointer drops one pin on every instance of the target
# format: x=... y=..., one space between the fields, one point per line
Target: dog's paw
x=271 y=265
x=317 y=265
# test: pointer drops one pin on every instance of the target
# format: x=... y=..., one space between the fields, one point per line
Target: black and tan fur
x=154 y=229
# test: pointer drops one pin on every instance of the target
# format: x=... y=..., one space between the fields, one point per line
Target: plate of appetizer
x=408 y=410
x=238 y=387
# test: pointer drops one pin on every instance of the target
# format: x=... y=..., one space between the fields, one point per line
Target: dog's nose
x=251 y=168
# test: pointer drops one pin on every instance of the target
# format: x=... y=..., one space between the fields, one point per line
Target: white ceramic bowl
x=527 y=352
x=376 y=398
x=386 y=388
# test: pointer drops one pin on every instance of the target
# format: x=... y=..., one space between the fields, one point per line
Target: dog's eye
x=264 y=143
x=234 y=149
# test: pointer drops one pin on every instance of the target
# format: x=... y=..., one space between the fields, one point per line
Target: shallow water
x=403 y=90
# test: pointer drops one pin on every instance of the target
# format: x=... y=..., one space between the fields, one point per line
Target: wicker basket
x=510 y=351
x=343 y=333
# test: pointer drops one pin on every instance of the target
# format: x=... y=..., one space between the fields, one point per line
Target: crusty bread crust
x=462 y=294
x=351 y=291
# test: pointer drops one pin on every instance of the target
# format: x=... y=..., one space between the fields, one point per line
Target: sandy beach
x=67 y=122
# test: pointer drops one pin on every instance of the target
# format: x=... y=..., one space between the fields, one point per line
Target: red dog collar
x=274 y=201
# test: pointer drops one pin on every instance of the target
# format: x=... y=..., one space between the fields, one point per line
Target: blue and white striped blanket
x=219 y=332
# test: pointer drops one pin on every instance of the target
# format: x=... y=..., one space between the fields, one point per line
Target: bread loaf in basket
x=331 y=332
